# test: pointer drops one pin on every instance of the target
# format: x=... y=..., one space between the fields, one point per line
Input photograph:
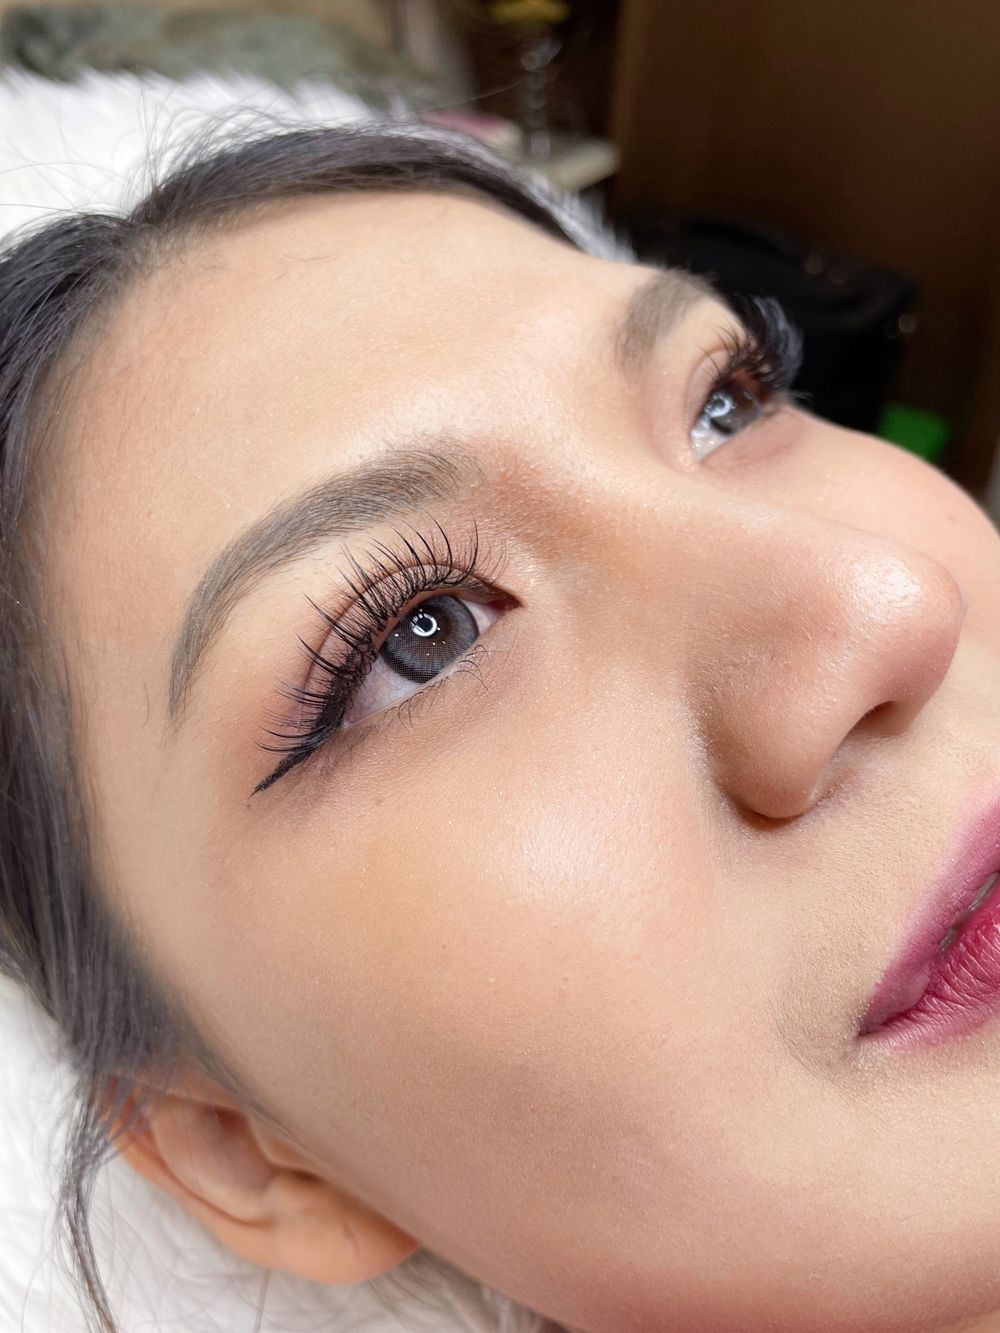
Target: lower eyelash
x=384 y=582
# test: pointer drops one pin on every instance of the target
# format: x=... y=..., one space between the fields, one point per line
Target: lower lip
x=962 y=990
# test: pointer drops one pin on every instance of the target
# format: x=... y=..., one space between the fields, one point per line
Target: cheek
x=492 y=982
x=478 y=950
x=475 y=911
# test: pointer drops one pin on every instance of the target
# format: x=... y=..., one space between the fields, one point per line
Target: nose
x=815 y=637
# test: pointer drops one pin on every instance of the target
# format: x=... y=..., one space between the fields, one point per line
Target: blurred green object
x=923 y=433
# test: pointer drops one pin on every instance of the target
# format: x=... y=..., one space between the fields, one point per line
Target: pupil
x=424 y=625
x=430 y=638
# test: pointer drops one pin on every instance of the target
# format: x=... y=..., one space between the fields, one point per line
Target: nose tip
x=854 y=650
x=913 y=615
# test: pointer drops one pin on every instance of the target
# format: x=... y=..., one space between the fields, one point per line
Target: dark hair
x=58 y=938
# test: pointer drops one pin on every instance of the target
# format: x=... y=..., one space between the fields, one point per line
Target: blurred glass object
x=533 y=33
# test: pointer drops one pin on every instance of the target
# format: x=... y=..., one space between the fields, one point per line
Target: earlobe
x=254 y=1196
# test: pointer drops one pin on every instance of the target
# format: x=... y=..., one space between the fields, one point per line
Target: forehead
x=292 y=344
x=316 y=317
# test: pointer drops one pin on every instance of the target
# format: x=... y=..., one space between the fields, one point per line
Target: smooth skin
x=558 y=973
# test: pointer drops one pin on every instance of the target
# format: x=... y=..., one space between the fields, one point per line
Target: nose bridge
x=801 y=636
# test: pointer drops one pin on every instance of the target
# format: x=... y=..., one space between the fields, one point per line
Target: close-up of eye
x=386 y=646
x=751 y=377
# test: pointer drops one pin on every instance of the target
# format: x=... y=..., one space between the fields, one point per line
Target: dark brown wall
x=871 y=126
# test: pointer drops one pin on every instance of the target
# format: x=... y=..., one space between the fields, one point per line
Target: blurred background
x=844 y=156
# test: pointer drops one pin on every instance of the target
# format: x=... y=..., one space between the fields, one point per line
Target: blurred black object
x=854 y=316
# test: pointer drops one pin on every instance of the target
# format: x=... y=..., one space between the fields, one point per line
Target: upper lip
x=971 y=858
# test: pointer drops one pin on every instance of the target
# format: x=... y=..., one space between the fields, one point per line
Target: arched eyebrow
x=381 y=490
x=377 y=491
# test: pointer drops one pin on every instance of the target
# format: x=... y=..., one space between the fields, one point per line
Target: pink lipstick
x=945 y=979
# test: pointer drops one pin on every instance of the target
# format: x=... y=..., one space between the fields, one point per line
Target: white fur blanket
x=86 y=145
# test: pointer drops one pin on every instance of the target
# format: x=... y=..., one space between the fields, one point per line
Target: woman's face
x=556 y=952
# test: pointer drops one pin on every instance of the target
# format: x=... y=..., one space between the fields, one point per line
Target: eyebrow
x=652 y=311
x=374 y=492
x=381 y=490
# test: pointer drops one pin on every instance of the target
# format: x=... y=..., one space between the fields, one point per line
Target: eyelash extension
x=383 y=582
x=767 y=350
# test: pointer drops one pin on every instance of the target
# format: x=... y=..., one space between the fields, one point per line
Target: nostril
x=885 y=719
x=753 y=819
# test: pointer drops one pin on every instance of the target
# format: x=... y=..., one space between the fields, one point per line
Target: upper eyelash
x=383 y=582
x=767 y=347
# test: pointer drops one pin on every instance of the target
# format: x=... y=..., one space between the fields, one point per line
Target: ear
x=253 y=1190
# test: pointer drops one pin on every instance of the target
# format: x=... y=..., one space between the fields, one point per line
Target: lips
x=942 y=976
